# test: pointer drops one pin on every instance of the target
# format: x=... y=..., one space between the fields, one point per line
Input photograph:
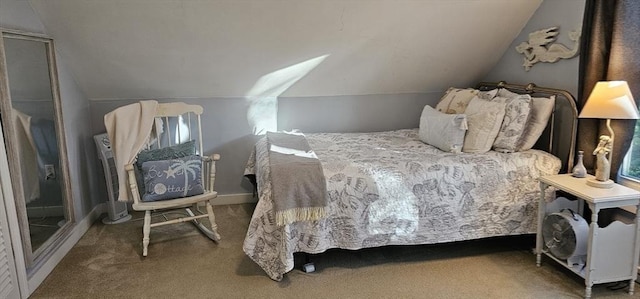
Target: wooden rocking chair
x=180 y=116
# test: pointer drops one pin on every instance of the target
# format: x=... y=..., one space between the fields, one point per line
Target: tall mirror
x=34 y=139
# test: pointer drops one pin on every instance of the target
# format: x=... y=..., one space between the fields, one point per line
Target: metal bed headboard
x=555 y=132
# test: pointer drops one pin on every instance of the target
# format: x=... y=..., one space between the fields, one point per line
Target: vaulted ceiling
x=234 y=48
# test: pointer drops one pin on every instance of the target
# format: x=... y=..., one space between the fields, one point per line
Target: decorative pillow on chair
x=444 y=131
x=517 y=112
x=169 y=179
x=484 y=119
x=171 y=152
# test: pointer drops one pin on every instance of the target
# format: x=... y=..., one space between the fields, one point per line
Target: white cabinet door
x=8 y=276
x=9 y=260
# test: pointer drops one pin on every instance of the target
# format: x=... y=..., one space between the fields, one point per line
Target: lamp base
x=600 y=184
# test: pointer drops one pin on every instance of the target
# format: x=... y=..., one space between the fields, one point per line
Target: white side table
x=612 y=251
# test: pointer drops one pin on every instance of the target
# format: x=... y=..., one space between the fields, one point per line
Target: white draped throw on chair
x=129 y=128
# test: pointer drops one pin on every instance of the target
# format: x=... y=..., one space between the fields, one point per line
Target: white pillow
x=516 y=117
x=488 y=95
x=540 y=112
x=505 y=93
x=444 y=131
x=484 y=119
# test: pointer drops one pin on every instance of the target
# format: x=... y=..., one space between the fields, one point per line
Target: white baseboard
x=77 y=232
x=234 y=199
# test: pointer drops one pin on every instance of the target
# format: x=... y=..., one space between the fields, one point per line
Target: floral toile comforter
x=389 y=188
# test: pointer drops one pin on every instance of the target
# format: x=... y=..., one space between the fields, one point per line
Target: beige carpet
x=182 y=263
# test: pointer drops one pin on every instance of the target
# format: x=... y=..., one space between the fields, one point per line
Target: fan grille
x=559 y=236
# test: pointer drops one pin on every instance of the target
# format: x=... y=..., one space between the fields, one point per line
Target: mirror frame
x=35 y=259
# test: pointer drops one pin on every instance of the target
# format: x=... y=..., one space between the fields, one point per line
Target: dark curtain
x=610 y=50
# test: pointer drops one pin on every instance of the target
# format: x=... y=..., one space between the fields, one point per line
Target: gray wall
x=362 y=113
x=226 y=118
x=230 y=135
x=226 y=132
x=17 y=14
x=563 y=74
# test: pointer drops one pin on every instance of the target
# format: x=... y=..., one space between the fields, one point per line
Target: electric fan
x=116 y=210
x=565 y=235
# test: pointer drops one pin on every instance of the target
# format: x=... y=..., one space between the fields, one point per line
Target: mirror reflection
x=35 y=143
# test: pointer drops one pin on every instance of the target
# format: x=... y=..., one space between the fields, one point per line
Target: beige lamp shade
x=610 y=100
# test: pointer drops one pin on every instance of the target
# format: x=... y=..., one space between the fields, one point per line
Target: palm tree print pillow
x=174 y=178
x=171 y=152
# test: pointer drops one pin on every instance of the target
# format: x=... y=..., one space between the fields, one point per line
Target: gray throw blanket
x=297 y=180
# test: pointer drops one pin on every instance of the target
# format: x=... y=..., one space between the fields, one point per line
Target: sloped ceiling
x=137 y=49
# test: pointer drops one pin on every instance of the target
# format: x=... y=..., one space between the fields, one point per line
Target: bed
x=391 y=188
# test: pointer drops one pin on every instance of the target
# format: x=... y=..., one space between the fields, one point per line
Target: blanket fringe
x=300 y=214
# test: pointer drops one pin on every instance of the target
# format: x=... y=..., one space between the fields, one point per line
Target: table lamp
x=608 y=100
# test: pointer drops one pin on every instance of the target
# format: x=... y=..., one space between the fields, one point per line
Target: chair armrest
x=133 y=183
x=213 y=157
x=212 y=169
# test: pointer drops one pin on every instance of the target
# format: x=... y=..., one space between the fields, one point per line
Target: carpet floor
x=182 y=263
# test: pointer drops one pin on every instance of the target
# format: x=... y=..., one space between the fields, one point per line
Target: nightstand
x=612 y=251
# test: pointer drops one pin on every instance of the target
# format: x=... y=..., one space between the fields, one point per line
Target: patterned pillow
x=169 y=179
x=488 y=95
x=517 y=112
x=484 y=119
x=456 y=100
x=444 y=131
x=171 y=152
x=505 y=93
x=540 y=113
